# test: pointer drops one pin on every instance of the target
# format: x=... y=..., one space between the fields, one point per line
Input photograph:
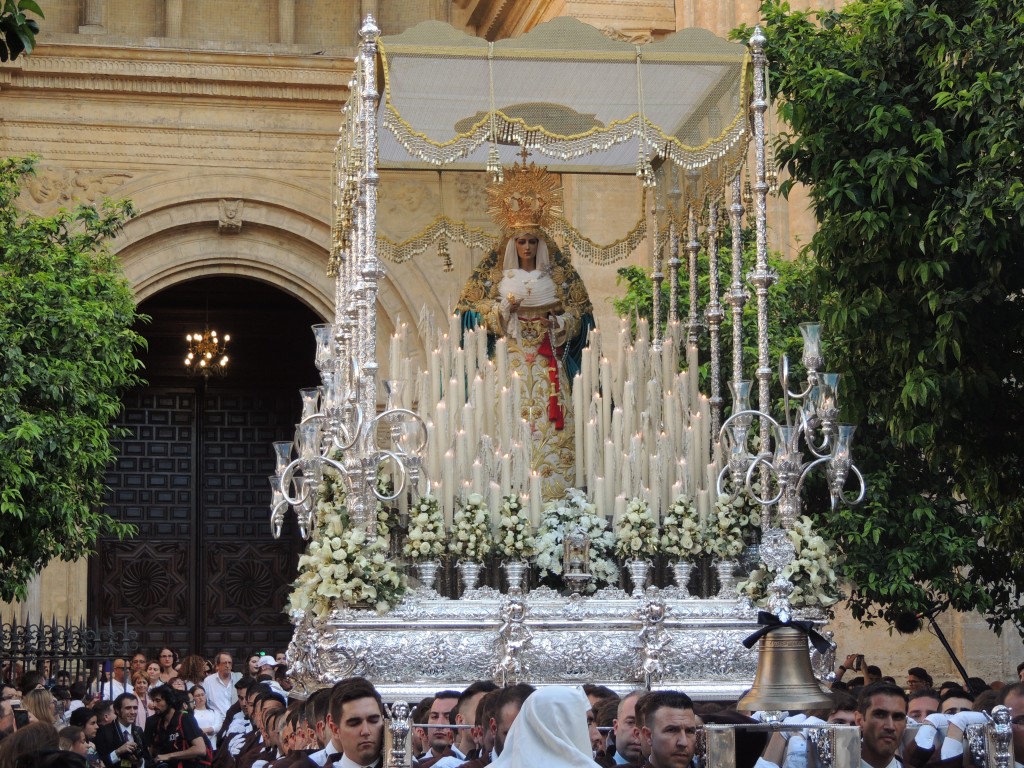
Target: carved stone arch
x=177 y=238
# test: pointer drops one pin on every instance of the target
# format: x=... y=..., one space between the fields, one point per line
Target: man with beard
x=668 y=729
x=882 y=717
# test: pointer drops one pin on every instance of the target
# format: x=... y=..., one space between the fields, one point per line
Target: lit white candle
x=448 y=487
x=536 y=499
x=619 y=509
x=610 y=470
x=441 y=425
x=704 y=505
x=654 y=493
x=629 y=409
x=578 y=430
x=506 y=474
x=434 y=371
x=616 y=430
x=505 y=416
x=597 y=496
x=494 y=503
x=501 y=356
x=478 y=477
x=591 y=464
x=463 y=456
x=395 y=367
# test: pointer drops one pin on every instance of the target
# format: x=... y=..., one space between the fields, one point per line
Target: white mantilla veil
x=550 y=732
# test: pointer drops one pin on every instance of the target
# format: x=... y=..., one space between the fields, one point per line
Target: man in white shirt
x=882 y=717
x=220 y=685
x=115 y=686
x=356 y=723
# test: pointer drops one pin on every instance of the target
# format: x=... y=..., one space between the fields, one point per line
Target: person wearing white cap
x=550 y=731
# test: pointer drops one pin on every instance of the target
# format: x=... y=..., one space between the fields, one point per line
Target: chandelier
x=207 y=353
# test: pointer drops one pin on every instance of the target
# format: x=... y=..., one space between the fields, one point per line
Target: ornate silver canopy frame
x=688 y=145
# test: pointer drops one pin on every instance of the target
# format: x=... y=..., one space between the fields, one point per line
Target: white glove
x=796 y=719
x=940 y=721
x=962 y=719
x=926 y=736
x=796 y=750
x=235 y=745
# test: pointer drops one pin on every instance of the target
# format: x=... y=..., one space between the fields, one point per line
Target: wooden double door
x=203 y=574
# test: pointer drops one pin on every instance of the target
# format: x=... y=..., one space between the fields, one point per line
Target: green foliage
x=907 y=126
x=790 y=303
x=17 y=31
x=67 y=351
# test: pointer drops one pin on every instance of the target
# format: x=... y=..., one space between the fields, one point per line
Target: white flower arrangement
x=515 y=539
x=561 y=517
x=636 y=535
x=471 y=530
x=340 y=566
x=425 y=539
x=682 y=534
x=724 y=533
x=815 y=584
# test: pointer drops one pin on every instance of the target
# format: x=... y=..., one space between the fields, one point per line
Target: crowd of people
x=228 y=719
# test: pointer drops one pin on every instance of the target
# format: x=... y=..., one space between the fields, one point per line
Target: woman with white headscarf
x=550 y=732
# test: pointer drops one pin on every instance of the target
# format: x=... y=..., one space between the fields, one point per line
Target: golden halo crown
x=527 y=198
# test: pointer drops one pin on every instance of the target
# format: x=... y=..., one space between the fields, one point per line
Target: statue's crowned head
x=527 y=199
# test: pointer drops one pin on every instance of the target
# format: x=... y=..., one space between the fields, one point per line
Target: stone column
x=286 y=21
x=92 y=17
x=172 y=18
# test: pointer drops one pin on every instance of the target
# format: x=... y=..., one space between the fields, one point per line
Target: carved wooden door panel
x=203 y=573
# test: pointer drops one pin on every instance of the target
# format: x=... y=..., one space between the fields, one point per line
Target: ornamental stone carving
x=229 y=221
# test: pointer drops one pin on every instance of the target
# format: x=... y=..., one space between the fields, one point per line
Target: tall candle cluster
x=642 y=427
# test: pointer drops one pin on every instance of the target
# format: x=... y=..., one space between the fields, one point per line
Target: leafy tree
x=906 y=125
x=17 y=31
x=67 y=351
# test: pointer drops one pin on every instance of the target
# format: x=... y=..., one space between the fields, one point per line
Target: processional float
x=680 y=115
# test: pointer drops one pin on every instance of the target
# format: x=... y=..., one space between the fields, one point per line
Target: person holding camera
x=175 y=738
x=122 y=744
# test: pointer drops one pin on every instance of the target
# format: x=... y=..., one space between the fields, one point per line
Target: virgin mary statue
x=530 y=293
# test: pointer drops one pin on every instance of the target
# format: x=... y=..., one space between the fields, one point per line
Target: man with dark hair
x=921 y=703
x=484 y=734
x=882 y=717
x=625 y=734
x=507 y=703
x=956 y=700
x=440 y=739
x=668 y=729
x=121 y=744
x=356 y=721
x=598 y=693
x=918 y=679
x=466 y=739
x=420 y=714
x=317 y=708
x=843 y=710
x=1020 y=672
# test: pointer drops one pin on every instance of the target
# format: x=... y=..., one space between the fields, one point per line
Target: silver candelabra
x=776 y=456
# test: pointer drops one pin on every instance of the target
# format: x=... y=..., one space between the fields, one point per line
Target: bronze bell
x=784 y=678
